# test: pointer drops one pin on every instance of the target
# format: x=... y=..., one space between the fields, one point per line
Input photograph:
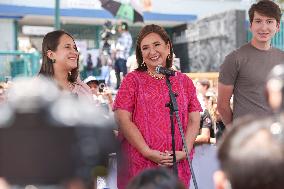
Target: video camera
x=102 y=85
x=108 y=31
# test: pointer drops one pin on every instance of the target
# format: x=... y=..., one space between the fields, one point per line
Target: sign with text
x=36 y=30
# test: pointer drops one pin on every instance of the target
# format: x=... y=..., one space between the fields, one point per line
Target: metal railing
x=17 y=63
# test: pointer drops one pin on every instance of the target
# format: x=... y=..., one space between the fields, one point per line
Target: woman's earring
x=51 y=61
x=169 y=56
x=143 y=64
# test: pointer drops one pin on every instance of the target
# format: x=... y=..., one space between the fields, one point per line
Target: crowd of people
x=243 y=115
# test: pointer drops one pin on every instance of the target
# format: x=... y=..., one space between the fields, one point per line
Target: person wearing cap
x=102 y=95
x=244 y=71
x=202 y=86
x=206 y=123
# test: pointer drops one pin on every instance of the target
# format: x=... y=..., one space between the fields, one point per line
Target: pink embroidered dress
x=145 y=98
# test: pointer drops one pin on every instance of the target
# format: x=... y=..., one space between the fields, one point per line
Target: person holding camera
x=122 y=50
x=101 y=94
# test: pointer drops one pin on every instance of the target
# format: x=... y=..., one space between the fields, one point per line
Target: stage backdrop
x=209 y=40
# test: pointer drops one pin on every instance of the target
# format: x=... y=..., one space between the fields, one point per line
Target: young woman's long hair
x=51 y=42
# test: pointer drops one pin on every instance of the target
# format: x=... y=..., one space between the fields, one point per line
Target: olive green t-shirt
x=247 y=69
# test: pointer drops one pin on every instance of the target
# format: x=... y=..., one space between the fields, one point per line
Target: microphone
x=165 y=71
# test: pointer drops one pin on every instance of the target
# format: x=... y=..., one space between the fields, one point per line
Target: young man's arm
x=223 y=102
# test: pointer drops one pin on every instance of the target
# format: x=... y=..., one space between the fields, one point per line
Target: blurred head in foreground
x=159 y=178
x=57 y=135
x=251 y=156
x=4 y=184
x=275 y=88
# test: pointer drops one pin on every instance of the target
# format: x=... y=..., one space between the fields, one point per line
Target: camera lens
x=101 y=87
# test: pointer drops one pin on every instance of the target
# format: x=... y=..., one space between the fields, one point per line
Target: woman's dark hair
x=142 y=34
x=267 y=8
x=155 y=178
x=51 y=42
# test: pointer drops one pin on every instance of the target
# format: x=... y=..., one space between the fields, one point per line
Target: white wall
x=201 y=8
x=89 y=4
x=7 y=34
x=6 y=43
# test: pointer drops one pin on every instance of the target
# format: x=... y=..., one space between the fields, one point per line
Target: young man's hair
x=252 y=154
x=266 y=8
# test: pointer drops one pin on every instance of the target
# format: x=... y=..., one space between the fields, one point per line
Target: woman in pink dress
x=60 y=62
x=144 y=121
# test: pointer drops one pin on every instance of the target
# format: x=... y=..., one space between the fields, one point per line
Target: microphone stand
x=172 y=104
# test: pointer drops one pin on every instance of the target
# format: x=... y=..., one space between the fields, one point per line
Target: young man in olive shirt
x=244 y=71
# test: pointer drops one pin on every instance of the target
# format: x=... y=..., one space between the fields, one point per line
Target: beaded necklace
x=154 y=76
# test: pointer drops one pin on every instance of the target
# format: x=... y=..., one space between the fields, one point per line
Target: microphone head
x=165 y=71
x=158 y=69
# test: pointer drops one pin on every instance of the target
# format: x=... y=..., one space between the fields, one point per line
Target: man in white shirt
x=123 y=47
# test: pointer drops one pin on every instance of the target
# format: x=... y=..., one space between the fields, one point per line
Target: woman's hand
x=180 y=155
x=161 y=158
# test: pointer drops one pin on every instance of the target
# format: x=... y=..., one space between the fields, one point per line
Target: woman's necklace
x=154 y=76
